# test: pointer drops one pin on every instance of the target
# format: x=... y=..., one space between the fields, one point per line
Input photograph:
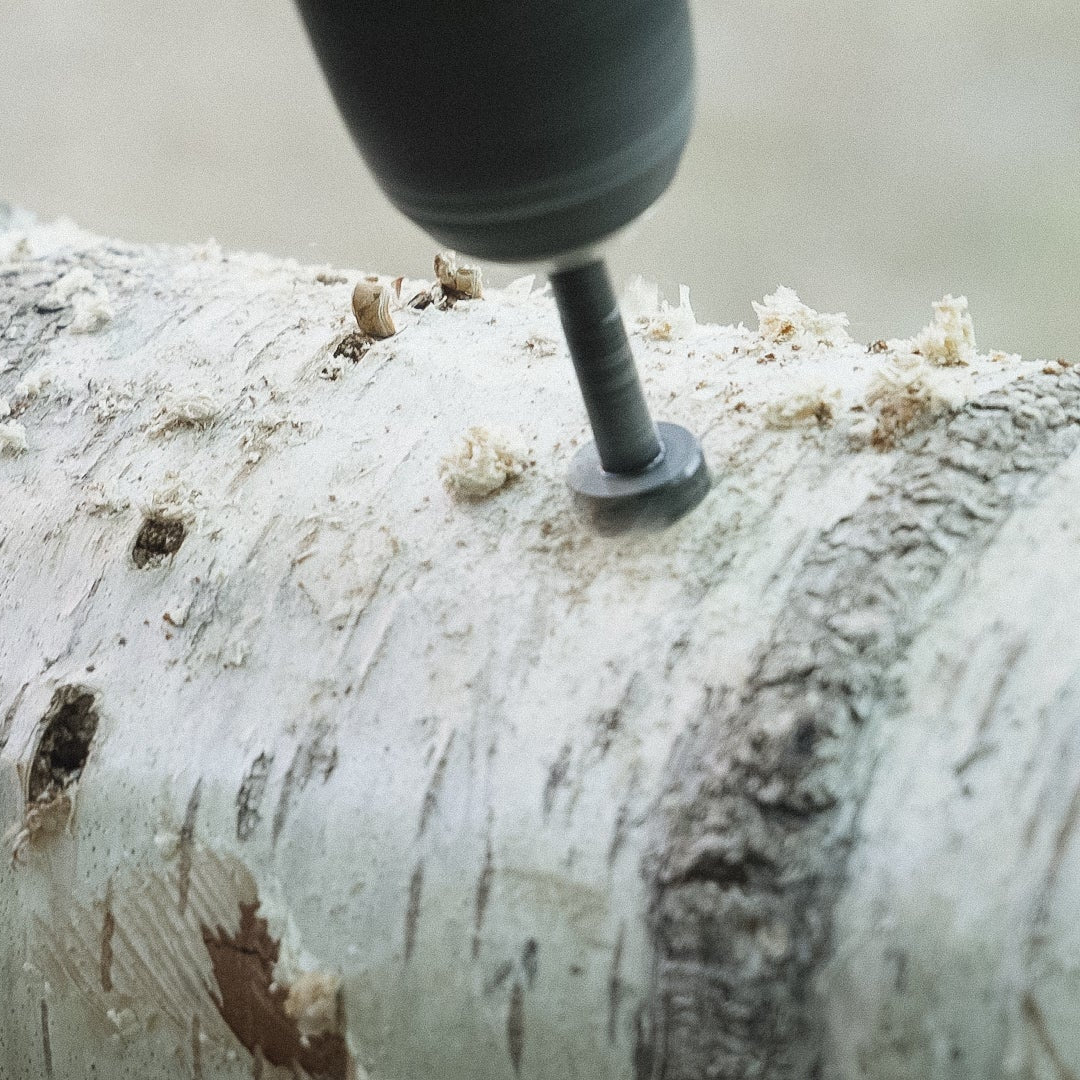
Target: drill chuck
x=513 y=130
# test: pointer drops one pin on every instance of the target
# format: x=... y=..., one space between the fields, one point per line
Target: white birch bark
x=789 y=790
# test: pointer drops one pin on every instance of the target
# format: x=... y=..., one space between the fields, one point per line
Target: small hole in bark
x=69 y=728
x=157 y=538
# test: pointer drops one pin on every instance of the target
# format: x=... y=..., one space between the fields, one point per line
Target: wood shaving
x=949 y=340
x=19 y=251
x=810 y=401
x=371 y=306
x=313 y=1002
x=91 y=314
x=783 y=319
x=12 y=438
x=453 y=282
x=173 y=500
x=656 y=318
x=903 y=395
x=480 y=464
x=30 y=386
x=672 y=323
x=642 y=300
x=191 y=410
x=88 y=299
x=458 y=282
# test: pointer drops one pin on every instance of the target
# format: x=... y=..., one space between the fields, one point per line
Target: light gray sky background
x=872 y=155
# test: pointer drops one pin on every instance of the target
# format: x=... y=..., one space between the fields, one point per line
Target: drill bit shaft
x=626 y=437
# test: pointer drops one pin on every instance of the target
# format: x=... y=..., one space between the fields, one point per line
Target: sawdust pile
x=910 y=388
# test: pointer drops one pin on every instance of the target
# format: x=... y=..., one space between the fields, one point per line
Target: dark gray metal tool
x=531 y=131
x=634 y=474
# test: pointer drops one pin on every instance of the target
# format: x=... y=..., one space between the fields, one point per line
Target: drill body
x=513 y=130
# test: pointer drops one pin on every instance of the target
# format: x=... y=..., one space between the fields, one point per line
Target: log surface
x=314 y=767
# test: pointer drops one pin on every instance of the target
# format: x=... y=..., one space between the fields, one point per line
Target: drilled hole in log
x=69 y=728
x=157 y=538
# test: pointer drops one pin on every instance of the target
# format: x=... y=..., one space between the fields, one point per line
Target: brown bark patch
x=253 y=1005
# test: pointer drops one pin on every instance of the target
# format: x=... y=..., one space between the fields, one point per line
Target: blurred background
x=872 y=155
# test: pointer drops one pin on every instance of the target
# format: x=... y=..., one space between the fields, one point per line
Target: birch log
x=333 y=745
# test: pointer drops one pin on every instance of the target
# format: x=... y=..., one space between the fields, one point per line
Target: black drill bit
x=635 y=474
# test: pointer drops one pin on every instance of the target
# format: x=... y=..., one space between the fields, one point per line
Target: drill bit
x=636 y=473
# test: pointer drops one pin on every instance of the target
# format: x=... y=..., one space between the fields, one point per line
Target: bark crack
x=751 y=851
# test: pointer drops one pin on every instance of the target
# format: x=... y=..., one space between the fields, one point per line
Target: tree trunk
x=334 y=746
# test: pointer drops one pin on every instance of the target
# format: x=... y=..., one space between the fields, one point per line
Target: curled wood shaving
x=371 y=306
x=458 y=282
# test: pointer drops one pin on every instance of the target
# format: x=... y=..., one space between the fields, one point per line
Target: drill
x=531 y=131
